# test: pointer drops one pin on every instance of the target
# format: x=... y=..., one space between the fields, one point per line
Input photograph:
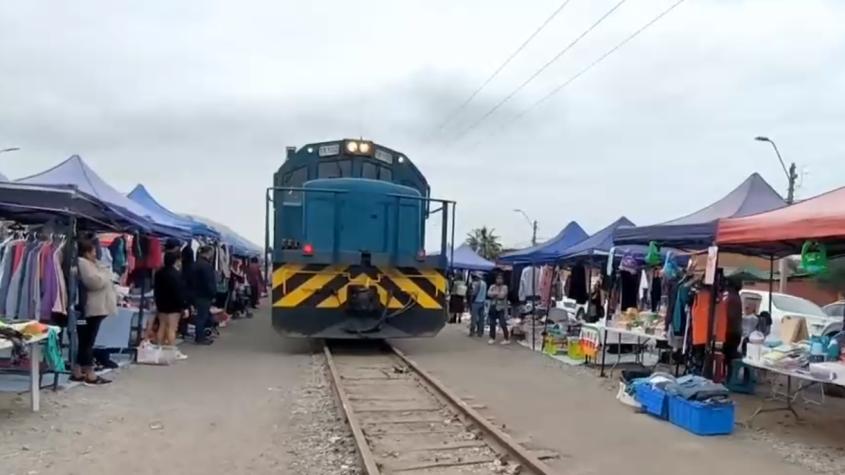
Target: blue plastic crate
x=652 y=399
x=700 y=418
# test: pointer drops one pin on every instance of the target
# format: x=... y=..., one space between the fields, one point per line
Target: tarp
x=240 y=245
x=784 y=231
x=38 y=204
x=466 y=259
x=76 y=173
x=698 y=230
x=549 y=251
x=597 y=244
x=142 y=196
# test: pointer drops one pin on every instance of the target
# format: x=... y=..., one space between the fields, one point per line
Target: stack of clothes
x=788 y=357
x=696 y=388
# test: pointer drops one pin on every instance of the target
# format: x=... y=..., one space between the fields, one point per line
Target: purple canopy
x=74 y=172
x=698 y=230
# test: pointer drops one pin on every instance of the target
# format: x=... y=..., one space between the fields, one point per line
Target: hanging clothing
x=529 y=283
x=630 y=285
x=117 y=248
x=656 y=292
x=577 y=284
x=701 y=316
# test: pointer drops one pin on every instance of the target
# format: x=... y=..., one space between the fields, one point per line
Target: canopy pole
x=71 y=271
x=533 y=306
x=771 y=281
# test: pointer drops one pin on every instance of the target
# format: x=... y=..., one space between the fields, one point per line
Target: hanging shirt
x=529 y=282
x=701 y=317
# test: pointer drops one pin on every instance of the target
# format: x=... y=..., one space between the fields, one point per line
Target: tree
x=485 y=243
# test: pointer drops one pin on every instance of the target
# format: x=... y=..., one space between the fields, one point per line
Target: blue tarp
x=74 y=172
x=240 y=245
x=698 y=230
x=466 y=259
x=549 y=251
x=142 y=196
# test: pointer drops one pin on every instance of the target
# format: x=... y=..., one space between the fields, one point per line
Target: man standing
x=477 y=297
x=255 y=281
x=205 y=290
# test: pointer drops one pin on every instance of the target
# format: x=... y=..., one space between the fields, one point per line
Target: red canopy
x=783 y=231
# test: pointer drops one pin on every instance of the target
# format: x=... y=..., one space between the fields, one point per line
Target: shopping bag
x=150 y=354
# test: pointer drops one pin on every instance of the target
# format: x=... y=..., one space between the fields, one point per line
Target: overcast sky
x=198 y=99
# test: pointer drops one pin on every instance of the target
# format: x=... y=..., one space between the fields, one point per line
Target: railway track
x=404 y=421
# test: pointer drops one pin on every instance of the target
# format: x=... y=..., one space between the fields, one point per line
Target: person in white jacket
x=100 y=302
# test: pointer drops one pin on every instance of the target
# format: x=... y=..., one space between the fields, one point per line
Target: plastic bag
x=151 y=354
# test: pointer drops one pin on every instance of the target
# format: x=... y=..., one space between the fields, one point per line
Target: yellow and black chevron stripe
x=326 y=286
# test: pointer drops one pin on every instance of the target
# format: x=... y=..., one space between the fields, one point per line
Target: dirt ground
x=572 y=412
x=251 y=403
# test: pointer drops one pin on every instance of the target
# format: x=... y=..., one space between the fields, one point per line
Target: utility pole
x=534 y=234
x=791 y=177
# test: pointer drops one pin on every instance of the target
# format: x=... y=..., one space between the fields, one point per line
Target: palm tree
x=484 y=242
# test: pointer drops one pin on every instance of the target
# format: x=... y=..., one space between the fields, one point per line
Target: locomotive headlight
x=352 y=146
x=401 y=159
x=364 y=147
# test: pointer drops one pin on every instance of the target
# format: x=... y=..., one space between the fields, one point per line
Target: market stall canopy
x=467 y=259
x=784 y=231
x=549 y=251
x=597 y=244
x=698 y=230
x=142 y=196
x=240 y=245
x=39 y=204
x=74 y=172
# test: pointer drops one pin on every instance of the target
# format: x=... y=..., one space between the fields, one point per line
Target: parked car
x=818 y=322
x=835 y=309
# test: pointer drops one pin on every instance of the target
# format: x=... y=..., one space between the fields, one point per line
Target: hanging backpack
x=814 y=257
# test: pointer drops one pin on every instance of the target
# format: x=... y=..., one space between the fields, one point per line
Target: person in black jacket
x=205 y=289
x=170 y=298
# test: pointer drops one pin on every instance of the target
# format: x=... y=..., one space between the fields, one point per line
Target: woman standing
x=170 y=297
x=100 y=302
x=498 y=295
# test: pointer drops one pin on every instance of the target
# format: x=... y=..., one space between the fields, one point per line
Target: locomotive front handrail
x=444 y=239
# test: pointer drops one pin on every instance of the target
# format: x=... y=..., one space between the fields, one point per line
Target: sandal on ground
x=75 y=379
x=97 y=382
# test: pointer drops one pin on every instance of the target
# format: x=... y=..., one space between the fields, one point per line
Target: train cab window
x=335 y=169
x=368 y=170
x=385 y=174
x=294 y=179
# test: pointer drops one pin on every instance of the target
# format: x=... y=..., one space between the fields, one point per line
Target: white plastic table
x=791 y=392
x=34 y=347
x=620 y=332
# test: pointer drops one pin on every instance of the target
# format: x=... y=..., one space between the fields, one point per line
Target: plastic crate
x=700 y=418
x=653 y=400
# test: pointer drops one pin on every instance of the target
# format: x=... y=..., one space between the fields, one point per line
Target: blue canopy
x=74 y=172
x=597 y=244
x=549 y=251
x=142 y=196
x=698 y=230
x=240 y=245
x=467 y=259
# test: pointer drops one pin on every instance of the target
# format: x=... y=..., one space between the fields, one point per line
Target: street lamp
x=791 y=176
x=10 y=149
x=530 y=222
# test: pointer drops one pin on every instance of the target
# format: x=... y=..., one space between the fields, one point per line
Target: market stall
x=698 y=230
x=50 y=217
x=814 y=228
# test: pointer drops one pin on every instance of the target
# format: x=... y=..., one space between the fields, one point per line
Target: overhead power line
x=595 y=63
x=451 y=116
x=539 y=71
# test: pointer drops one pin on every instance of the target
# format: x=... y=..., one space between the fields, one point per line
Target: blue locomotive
x=348 y=243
